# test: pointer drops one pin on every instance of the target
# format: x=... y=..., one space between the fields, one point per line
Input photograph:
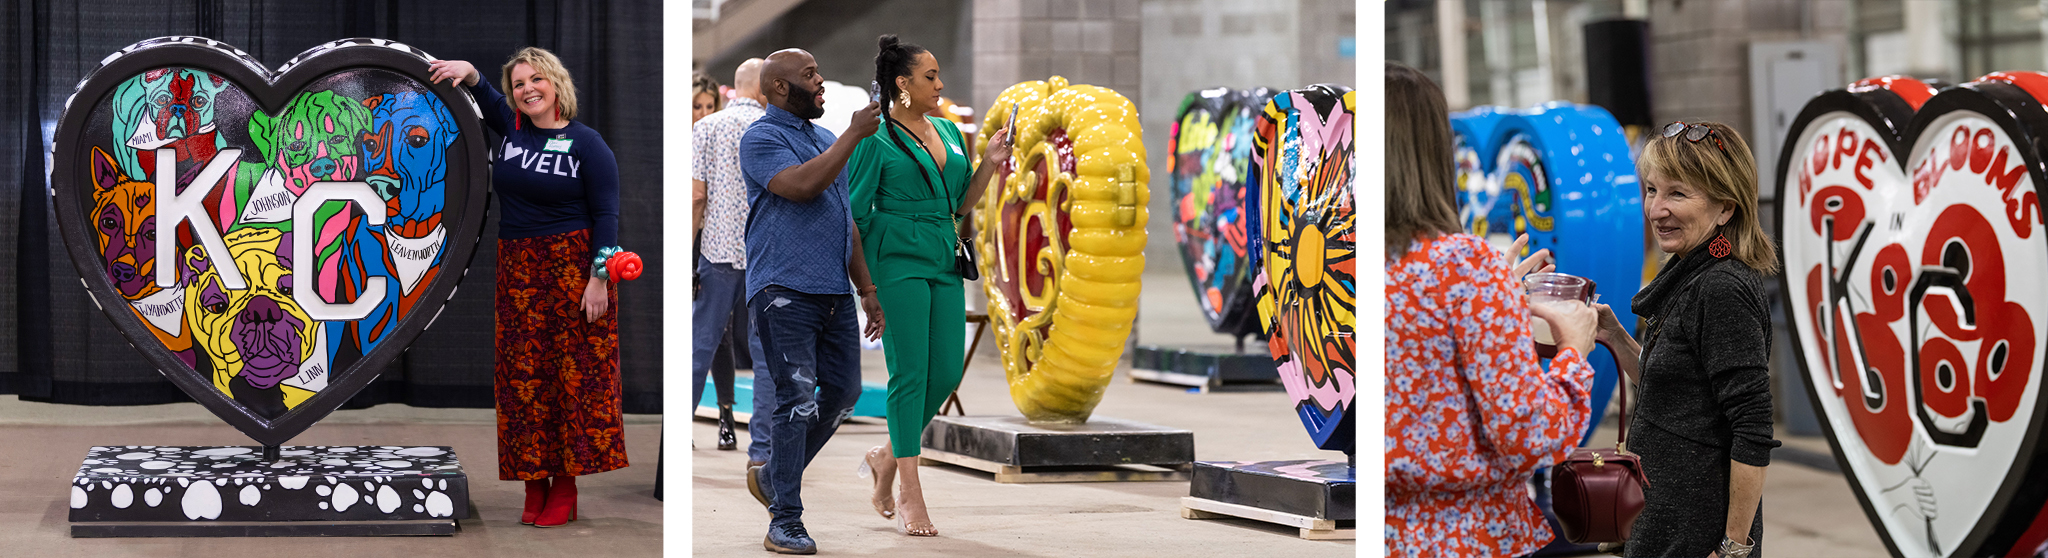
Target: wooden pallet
x=1311 y=528
x=1012 y=474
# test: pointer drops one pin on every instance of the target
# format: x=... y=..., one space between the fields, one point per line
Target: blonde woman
x=557 y=381
x=1703 y=424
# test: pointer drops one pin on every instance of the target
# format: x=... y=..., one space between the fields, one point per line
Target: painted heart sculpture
x=1911 y=224
x=1306 y=227
x=1210 y=150
x=269 y=240
x=1562 y=174
x=1062 y=240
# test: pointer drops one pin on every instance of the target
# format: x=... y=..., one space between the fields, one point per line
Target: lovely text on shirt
x=559 y=164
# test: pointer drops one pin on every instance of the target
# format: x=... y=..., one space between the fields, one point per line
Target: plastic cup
x=1554 y=288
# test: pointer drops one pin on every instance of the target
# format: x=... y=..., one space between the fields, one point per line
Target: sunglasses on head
x=1694 y=133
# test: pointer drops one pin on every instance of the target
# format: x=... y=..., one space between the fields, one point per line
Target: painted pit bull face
x=258 y=333
x=124 y=222
x=158 y=109
x=315 y=138
x=406 y=156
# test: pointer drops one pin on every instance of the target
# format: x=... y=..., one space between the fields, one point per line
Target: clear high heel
x=918 y=529
x=866 y=469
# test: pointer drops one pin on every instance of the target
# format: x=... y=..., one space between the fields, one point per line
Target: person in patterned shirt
x=719 y=326
x=1471 y=413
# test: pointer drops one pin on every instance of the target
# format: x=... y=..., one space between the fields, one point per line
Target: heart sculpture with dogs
x=1910 y=222
x=269 y=240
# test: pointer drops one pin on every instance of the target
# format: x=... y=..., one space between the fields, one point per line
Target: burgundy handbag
x=1597 y=493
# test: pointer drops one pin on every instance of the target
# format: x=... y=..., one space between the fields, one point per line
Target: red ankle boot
x=536 y=493
x=561 y=505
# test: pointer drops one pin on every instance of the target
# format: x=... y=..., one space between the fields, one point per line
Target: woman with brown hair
x=557 y=380
x=1703 y=424
x=1471 y=413
x=704 y=97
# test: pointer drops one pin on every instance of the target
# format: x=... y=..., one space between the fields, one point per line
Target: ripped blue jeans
x=812 y=347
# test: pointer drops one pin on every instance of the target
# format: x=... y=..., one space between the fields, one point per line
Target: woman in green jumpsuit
x=910 y=182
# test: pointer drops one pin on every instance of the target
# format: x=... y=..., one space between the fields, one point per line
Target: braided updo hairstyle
x=894 y=61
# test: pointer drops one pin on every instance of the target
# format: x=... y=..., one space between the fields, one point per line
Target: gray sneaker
x=789 y=539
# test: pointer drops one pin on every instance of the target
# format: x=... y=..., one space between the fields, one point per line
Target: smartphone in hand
x=875 y=96
x=1011 y=140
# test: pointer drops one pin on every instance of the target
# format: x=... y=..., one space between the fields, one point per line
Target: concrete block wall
x=1095 y=42
x=1699 y=52
x=1190 y=45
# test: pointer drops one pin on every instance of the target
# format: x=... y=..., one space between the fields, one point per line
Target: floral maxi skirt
x=557 y=375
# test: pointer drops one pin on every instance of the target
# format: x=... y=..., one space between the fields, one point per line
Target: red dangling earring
x=558 y=112
x=1720 y=247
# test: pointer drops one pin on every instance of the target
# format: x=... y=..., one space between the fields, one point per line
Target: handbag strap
x=913 y=156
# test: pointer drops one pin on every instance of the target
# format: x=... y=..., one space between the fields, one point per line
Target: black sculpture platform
x=1319 y=497
x=185 y=491
x=1207 y=368
x=1100 y=450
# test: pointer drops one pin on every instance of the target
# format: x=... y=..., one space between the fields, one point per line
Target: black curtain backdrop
x=55 y=346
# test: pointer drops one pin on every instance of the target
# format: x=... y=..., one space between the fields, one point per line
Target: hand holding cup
x=1561 y=303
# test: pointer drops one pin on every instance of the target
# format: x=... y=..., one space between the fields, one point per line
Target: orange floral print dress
x=1471 y=414
x=557 y=381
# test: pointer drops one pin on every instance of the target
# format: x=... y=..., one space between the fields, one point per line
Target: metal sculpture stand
x=1100 y=450
x=1317 y=496
x=309 y=491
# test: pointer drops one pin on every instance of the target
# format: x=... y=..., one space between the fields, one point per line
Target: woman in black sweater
x=1703 y=424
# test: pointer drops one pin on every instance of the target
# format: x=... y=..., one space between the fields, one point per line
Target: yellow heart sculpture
x=1062 y=241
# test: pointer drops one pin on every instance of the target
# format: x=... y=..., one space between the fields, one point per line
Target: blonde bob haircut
x=1728 y=178
x=545 y=64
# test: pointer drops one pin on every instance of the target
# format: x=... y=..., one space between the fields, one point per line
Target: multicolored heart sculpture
x=1306 y=252
x=1209 y=153
x=269 y=240
x=1910 y=222
x=1562 y=174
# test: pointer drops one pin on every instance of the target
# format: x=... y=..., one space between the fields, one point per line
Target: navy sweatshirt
x=550 y=181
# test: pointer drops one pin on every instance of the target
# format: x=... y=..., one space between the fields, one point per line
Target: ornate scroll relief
x=1062 y=243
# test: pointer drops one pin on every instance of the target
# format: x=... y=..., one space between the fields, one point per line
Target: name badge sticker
x=558 y=145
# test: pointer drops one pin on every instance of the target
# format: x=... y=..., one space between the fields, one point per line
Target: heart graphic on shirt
x=269 y=240
x=1910 y=224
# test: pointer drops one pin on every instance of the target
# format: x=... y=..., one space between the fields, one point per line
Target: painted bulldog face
x=315 y=138
x=406 y=152
x=258 y=333
x=159 y=107
x=124 y=222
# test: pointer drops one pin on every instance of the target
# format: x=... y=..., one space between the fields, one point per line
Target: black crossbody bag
x=965 y=261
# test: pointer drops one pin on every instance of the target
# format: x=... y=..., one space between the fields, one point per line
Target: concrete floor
x=977 y=517
x=44 y=444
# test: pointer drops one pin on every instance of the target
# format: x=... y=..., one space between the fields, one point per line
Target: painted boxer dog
x=259 y=343
x=166 y=108
x=124 y=224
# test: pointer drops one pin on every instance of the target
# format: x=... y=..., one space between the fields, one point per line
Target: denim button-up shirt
x=802 y=246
